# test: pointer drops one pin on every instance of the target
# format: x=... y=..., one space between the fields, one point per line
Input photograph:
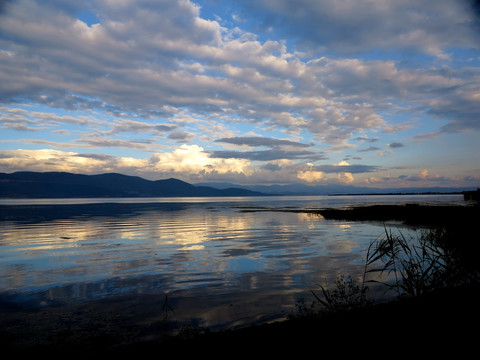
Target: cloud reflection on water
x=205 y=256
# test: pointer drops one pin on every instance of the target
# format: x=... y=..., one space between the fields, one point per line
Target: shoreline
x=434 y=322
x=443 y=320
x=410 y=214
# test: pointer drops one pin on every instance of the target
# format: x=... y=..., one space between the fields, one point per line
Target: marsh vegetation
x=443 y=255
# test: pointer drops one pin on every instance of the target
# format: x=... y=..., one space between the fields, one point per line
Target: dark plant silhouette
x=408 y=267
x=347 y=294
x=417 y=265
x=166 y=308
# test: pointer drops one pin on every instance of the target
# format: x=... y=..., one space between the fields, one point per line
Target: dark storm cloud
x=396 y=145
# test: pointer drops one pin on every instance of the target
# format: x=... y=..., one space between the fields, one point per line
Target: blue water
x=254 y=254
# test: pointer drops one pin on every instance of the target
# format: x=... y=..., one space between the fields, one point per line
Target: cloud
x=98 y=141
x=98 y=61
x=371 y=148
x=386 y=80
x=367 y=139
x=394 y=128
x=151 y=59
x=140 y=127
x=268 y=155
x=310 y=176
x=381 y=85
x=54 y=144
x=461 y=108
x=192 y=160
x=336 y=123
x=426 y=136
x=278 y=149
x=12 y=125
x=345 y=167
x=50 y=160
x=181 y=136
x=185 y=162
x=143 y=75
x=19 y=119
x=343 y=172
x=423 y=174
x=363 y=25
x=99 y=71
x=345 y=177
x=261 y=141
x=425 y=178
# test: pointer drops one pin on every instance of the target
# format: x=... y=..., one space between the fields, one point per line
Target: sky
x=375 y=93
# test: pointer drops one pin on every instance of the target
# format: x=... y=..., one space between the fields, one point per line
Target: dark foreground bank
x=446 y=321
x=442 y=322
x=411 y=214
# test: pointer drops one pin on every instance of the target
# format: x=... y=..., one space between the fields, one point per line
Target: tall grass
x=347 y=294
x=434 y=259
x=415 y=267
x=418 y=265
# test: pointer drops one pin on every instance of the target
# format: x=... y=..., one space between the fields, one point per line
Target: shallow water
x=224 y=262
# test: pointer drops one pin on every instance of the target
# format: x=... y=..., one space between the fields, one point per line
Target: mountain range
x=28 y=184
x=334 y=189
x=67 y=185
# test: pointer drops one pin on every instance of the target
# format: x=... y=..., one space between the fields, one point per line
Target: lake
x=226 y=262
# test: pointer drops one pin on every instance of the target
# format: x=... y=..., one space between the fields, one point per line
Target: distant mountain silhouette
x=27 y=184
x=334 y=189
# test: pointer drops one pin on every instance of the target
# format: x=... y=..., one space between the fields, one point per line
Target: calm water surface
x=223 y=261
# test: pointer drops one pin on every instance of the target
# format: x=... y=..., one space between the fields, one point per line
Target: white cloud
x=345 y=177
x=193 y=160
x=310 y=176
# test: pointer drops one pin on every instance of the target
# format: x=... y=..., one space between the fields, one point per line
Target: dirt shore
x=446 y=319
